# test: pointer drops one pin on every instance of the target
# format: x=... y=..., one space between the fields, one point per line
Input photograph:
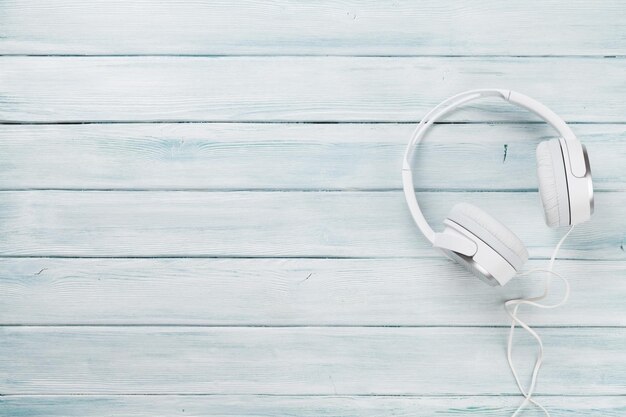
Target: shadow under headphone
x=476 y=240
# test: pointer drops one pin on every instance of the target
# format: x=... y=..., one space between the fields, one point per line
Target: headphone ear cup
x=553 y=183
x=500 y=252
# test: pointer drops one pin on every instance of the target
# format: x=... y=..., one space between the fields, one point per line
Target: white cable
x=533 y=301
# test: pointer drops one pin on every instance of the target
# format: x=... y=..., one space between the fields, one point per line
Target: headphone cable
x=533 y=301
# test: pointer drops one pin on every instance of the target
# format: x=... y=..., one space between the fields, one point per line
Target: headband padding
x=490 y=231
x=552 y=183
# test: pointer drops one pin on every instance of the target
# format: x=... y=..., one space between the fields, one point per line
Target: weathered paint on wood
x=271 y=89
x=293 y=292
x=276 y=406
x=275 y=224
x=303 y=361
x=346 y=367
x=326 y=27
x=262 y=156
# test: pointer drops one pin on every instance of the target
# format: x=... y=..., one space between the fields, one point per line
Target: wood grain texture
x=327 y=27
x=302 y=361
x=45 y=89
x=289 y=156
x=275 y=224
x=290 y=292
x=273 y=406
x=202 y=271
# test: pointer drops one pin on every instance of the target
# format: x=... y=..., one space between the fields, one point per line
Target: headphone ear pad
x=500 y=252
x=552 y=183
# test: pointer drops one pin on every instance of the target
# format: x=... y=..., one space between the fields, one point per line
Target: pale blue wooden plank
x=303 y=361
x=288 y=292
x=51 y=89
x=289 y=156
x=275 y=224
x=273 y=406
x=400 y=27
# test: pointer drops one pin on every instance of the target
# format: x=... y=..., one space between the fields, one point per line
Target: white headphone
x=476 y=240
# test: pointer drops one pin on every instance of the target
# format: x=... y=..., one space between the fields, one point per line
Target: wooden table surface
x=201 y=208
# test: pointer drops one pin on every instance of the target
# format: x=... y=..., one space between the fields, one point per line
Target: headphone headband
x=575 y=151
